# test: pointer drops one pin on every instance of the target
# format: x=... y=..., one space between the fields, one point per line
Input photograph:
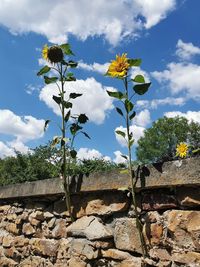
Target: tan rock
x=184 y=228
x=76 y=262
x=20 y=241
x=153 y=233
x=103 y=244
x=160 y=254
x=60 y=230
x=115 y=254
x=28 y=229
x=83 y=248
x=5 y=208
x=8 y=241
x=11 y=216
x=5 y=262
x=12 y=228
x=51 y=223
x=12 y=253
x=90 y=227
x=34 y=221
x=133 y=262
x=64 y=245
x=48 y=215
x=38 y=215
x=35 y=261
x=189 y=197
x=45 y=247
x=187 y=258
x=126 y=236
x=100 y=203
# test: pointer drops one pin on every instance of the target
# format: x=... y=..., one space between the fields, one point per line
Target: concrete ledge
x=169 y=174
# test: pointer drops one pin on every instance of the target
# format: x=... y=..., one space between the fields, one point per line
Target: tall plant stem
x=131 y=176
x=66 y=181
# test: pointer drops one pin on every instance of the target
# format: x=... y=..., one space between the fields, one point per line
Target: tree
x=159 y=142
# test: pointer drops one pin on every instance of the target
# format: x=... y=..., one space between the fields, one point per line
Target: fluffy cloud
x=185 y=51
x=153 y=104
x=5 y=151
x=96 y=67
x=190 y=115
x=95 y=101
x=137 y=132
x=57 y=19
x=86 y=153
x=154 y=10
x=23 y=129
x=181 y=78
x=143 y=118
x=118 y=158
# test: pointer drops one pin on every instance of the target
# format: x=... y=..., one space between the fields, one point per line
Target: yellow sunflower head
x=119 y=67
x=53 y=54
x=181 y=150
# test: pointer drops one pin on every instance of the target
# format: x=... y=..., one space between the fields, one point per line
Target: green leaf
x=196 y=151
x=70 y=77
x=49 y=80
x=134 y=62
x=124 y=156
x=67 y=116
x=132 y=115
x=82 y=118
x=67 y=49
x=128 y=105
x=75 y=128
x=139 y=79
x=141 y=89
x=74 y=95
x=57 y=99
x=120 y=133
x=86 y=134
x=119 y=111
x=43 y=70
x=46 y=124
x=117 y=94
x=72 y=64
x=131 y=142
x=126 y=171
x=73 y=153
x=67 y=104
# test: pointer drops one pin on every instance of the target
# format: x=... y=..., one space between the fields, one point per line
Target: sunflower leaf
x=43 y=70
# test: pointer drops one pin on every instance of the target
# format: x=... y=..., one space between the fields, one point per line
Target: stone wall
x=35 y=229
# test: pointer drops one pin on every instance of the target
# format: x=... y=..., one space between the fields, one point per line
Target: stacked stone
x=34 y=233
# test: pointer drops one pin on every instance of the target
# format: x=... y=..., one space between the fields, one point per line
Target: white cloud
x=153 y=104
x=57 y=19
x=23 y=128
x=5 y=151
x=95 y=101
x=118 y=158
x=137 y=132
x=190 y=115
x=86 y=153
x=96 y=67
x=155 y=10
x=143 y=118
x=181 y=78
x=185 y=51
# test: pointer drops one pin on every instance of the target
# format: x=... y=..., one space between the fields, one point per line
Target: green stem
x=66 y=181
x=133 y=185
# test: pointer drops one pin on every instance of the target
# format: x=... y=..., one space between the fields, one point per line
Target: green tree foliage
x=160 y=141
x=45 y=162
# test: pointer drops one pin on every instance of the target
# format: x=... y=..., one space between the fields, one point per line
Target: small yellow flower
x=119 y=67
x=45 y=52
x=181 y=150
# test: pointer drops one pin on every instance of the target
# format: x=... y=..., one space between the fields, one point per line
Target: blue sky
x=165 y=34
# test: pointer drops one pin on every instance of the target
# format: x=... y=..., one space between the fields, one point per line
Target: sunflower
x=119 y=67
x=45 y=52
x=181 y=150
x=53 y=54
